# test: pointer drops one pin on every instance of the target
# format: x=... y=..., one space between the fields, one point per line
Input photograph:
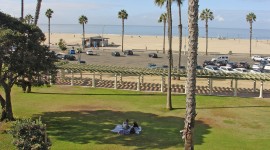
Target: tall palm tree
x=188 y=131
x=122 y=14
x=163 y=18
x=206 y=15
x=83 y=20
x=37 y=11
x=22 y=9
x=180 y=27
x=28 y=19
x=251 y=17
x=169 y=20
x=49 y=13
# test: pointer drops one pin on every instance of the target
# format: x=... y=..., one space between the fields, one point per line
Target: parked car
x=221 y=63
x=60 y=56
x=240 y=70
x=221 y=58
x=267 y=67
x=82 y=62
x=69 y=57
x=152 y=55
x=226 y=69
x=243 y=64
x=128 y=52
x=263 y=63
x=267 y=58
x=152 y=66
x=164 y=66
x=116 y=54
x=256 y=66
x=256 y=71
x=211 y=68
x=90 y=52
x=207 y=62
x=257 y=58
x=232 y=65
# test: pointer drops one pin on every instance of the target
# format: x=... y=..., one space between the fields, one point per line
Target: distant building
x=96 y=41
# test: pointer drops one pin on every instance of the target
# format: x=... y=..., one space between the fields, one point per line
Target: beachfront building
x=96 y=41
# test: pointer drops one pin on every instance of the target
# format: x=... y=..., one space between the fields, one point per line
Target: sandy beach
x=156 y=43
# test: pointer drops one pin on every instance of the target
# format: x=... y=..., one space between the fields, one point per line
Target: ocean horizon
x=231 y=33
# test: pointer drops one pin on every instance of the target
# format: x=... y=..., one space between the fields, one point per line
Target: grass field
x=82 y=117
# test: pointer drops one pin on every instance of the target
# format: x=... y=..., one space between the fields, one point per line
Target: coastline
x=155 y=43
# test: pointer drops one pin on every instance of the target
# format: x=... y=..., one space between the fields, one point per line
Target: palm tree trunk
x=49 y=31
x=250 y=39
x=180 y=38
x=169 y=99
x=83 y=43
x=188 y=132
x=22 y=9
x=123 y=30
x=37 y=11
x=164 y=36
x=206 y=28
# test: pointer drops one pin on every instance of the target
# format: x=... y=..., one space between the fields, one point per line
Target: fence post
x=94 y=81
x=261 y=90
x=115 y=81
x=72 y=78
x=138 y=83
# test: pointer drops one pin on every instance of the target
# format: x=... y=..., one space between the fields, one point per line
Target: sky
x=227 y=13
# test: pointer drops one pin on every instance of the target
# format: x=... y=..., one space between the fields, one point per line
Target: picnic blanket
x=119 y=129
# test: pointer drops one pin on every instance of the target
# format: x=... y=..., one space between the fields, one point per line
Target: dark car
x=152 y=66
x=69 y=57
x=243 y=64
x=207 y=62
x=82 y=62
x=221 y=63
x=128 y=52
x=153 y=55
x=116 y=54
x=232 y=65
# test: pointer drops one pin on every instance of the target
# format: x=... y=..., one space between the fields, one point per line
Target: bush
x=30 y=134
x=62 y=45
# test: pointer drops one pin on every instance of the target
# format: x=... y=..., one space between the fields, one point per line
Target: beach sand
x=156 y=43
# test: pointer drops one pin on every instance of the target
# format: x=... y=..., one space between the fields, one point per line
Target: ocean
x=155 y=31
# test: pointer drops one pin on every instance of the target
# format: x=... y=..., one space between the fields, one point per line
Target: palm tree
x=188 y=131
x=37 y=11
x=180 y=27
x=123 y=15
x=28 y=19
x=22 y=9
x=250 y=18
x=169 y=18
x=163 y=18
x=49 y=13
x=206 y=15
x=83 y=20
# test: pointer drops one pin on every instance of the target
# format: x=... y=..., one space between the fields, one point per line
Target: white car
x=90 y=52
x=267 y=58
x=211 y=68
x=226 y=69
x=267 y=67
x=257 y=58
x=221 y=58
x=256 y=71
x=240 y=70
x=256 y=66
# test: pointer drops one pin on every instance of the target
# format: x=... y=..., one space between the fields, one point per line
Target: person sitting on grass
x=133 y=128
x=125 y=124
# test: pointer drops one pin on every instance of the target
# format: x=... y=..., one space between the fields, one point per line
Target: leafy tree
x=251 y=17
x=163 y=18
x=123 y=15
x=62 y=45
x=169 y=18
x=83 y=20
x=188 y=131
x=49 y=13
x=22 y=57
x=37 y=11
x=206 y=15
x=28 y=19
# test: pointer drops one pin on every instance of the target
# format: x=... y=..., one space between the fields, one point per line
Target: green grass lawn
x=81 y=118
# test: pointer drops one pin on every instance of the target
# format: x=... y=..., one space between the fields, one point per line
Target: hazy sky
x=228 y=13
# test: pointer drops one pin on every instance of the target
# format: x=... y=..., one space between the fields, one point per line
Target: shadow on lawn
x=83 y=127
x=113 y=94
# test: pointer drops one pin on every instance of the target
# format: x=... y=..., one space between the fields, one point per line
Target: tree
x=180 y=27
x=163 y=18
x=22 y=9
x=62 y=45
x=188 y=131
x=169 y=18
x=123 y=15
x=250 y=18
x=83 y=20
x=37 y=11
x=28 y=19
x=206 y=15
x=49 y=13
x=22 y=57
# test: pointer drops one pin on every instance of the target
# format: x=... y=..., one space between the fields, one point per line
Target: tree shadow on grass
x=83 y=127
